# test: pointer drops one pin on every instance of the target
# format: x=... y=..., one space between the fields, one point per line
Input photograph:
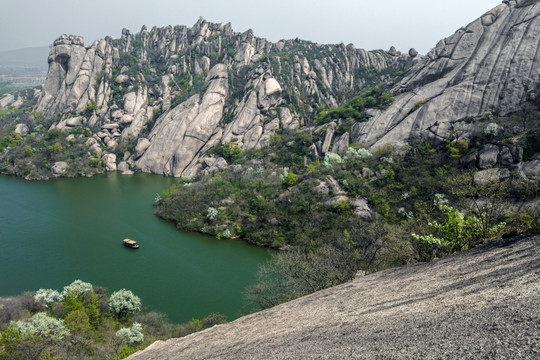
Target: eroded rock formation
x=490 y=66
x=187 y=90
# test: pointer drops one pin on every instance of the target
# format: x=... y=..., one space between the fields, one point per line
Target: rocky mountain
x=478 y=304
x=171 y=94
x=491 y=66
x=160 y=101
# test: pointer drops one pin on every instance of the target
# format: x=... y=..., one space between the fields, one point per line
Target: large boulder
x=59 y=168
x=110 y=162
x=22 y=129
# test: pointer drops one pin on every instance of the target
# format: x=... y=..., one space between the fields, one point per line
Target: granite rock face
x=477 y=304
x=490 y=66
x=187 y=90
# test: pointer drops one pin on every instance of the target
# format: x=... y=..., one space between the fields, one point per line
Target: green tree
x=92 y=310
x=457 y=232
x=230 y=151
x=291 y=179
x=72 y=302
x=78 y=323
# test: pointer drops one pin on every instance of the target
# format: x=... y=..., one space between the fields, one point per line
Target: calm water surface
x=54 y=232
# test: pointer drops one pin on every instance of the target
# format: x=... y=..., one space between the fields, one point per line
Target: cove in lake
x=54 y=232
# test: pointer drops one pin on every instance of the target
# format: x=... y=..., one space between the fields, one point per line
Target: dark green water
x=54 y=232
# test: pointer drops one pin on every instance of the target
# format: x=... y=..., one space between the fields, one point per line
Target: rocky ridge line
x=134 y=90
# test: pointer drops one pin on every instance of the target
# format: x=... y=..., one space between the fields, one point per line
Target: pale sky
x=367 y=24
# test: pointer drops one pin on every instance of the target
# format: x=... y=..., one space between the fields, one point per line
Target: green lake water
x=56 y=231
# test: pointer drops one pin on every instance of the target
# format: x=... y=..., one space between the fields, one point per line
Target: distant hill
x=33 y=57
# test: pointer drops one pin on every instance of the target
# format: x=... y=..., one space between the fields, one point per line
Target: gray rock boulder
x=490 y=176
x=341 y=143
x=59 y=168
x=531 y=169
x=22 y=129
x=361 y=208
x=487 y=157
x=142 y=145
x=110 y=161
x=413 y=53
x=123 y=167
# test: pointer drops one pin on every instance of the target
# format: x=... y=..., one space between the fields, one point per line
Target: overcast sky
x=367 y=24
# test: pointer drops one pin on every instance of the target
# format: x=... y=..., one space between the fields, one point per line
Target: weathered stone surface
x=22 y=129
x=361 y=208
x=322 y=188
x=490 y=176
x=487 y=157
x=142 y=145
x=181 y=133
x=59 y=168
x=73 y=69
x=484 y=67
x=531 y=169
x=110 y=161
x=452 y=307
x=335 y=200
x=76 y=121
x=327 y=139
x=123 y=167
x=367 y=173
x=341 y=143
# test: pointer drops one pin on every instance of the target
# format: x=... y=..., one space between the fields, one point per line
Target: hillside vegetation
x=84 y=322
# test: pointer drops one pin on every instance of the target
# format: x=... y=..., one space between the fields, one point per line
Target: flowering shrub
x=131 y=335
x=124 y=302
x=78 y=287
x=43 y=326
x=48 y=296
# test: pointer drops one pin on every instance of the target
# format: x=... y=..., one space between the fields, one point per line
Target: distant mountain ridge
x=34 y=57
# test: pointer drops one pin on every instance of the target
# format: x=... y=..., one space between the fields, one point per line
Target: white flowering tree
x=330 y=159
x=124 y=302
x=48 y=296
x=42 y=326
x=130 y=336
x=78 y=287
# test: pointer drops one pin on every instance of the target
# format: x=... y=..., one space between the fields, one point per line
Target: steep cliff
x=490 y=66
x=161 y=99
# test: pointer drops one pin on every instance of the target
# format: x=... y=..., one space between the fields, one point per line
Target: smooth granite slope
x=481 y=304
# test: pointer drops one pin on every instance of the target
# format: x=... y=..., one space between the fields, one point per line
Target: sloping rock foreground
x=484 y=303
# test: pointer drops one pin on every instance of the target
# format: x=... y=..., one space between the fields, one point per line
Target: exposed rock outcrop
x=189 y=90
x=59 y=168
x=477 y=304
x=490 y=66
x=179 y=136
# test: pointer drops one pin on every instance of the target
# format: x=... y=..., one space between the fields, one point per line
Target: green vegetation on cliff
x=366 y=211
